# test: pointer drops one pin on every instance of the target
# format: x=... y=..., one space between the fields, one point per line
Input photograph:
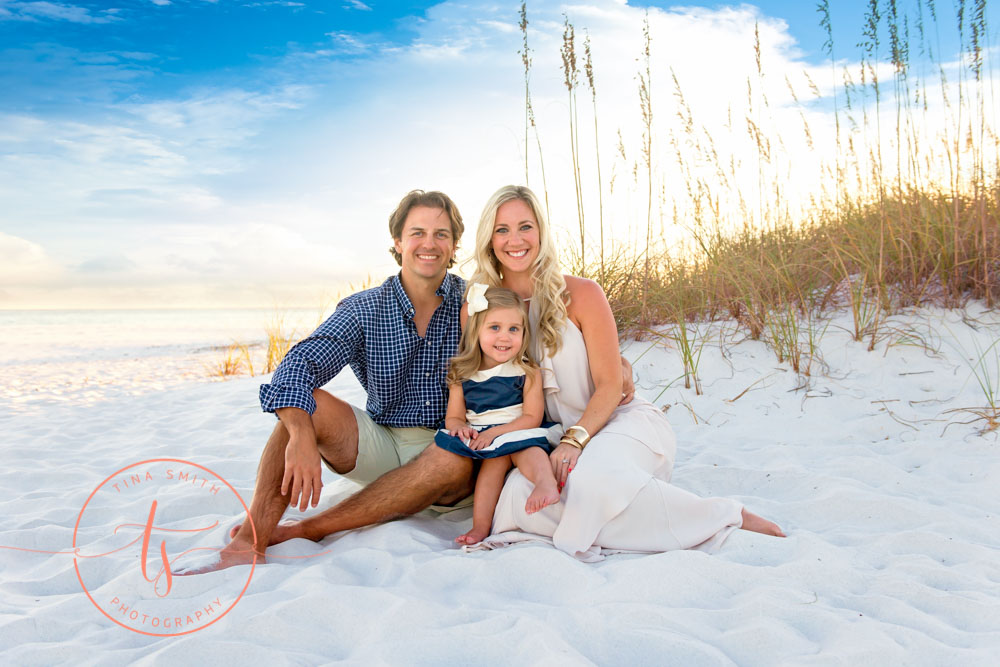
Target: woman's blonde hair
x=470 y=356
x=549 y=296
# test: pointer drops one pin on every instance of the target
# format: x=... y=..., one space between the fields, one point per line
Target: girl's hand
x=563 y=459
x=465 y=433
x=483 y=439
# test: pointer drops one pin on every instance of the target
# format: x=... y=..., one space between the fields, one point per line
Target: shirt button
x=427 y=375
x=427 y=402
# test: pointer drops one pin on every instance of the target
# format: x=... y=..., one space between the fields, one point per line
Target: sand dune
x=891 y=506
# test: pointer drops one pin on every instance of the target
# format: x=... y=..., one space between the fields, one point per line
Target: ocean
x=80 y=357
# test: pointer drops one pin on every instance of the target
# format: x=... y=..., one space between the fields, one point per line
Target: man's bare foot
x=474 y=536
x=544 y=494
x=235 y=553
x=281 y=533
x=759 y=524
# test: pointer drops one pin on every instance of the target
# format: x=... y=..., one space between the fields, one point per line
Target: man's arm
x=314 y=361
x=310 y=364
x=303 y=470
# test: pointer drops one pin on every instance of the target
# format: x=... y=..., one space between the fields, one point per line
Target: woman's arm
x=590 y=311
x=532 y=412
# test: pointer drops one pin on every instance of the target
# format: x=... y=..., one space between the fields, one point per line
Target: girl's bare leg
x=534 y=464
x=488 y=486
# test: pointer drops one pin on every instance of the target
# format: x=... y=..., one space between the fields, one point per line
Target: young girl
x=495 y=406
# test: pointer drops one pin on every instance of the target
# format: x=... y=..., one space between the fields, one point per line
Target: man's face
x=426 y=243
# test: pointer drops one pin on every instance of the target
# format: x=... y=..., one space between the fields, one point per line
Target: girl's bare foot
x=544 y=494
x=281 y=532
x=759 y=524
x=474 y=536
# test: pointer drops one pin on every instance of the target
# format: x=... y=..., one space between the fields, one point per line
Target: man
x=397 y=338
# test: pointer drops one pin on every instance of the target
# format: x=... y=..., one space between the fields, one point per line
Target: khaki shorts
x=384 y=448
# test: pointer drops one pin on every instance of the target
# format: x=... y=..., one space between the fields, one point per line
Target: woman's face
x=515 y=236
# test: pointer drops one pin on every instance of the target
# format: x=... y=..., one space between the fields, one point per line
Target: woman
x=615 y=460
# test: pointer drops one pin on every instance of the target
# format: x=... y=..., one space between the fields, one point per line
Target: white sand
x=892 y=555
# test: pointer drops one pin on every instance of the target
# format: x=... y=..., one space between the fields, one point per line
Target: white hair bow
x=477 y=298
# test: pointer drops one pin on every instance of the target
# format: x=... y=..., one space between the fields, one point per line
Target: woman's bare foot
x=759 y=524
x=544 y=494
x=281 y=533
x=474 y=536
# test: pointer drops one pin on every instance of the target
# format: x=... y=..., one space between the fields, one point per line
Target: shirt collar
x=444 y=290
x=446 y=287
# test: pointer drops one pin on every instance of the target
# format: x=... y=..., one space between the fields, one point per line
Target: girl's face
x=500 y=336
x=515 y=236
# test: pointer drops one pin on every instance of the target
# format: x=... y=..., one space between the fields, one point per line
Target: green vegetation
x=921 y=228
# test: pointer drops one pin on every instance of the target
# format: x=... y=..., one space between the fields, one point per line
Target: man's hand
x=303 y=472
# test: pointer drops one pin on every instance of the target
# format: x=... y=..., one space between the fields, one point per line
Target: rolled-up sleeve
x=313 y=362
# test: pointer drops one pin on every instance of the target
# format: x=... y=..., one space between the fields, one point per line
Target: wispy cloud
x=357 y=4
x=54 y=11
x=345 y=44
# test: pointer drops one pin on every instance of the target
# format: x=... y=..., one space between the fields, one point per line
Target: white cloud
x=357 y=4
x=26 y=263
x=33 y=11
x=287 y=188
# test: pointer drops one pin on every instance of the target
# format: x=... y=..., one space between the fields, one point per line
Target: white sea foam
x=83 y=357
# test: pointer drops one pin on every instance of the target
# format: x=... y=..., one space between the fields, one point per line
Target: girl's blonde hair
x=550 y=296
x=470 y=356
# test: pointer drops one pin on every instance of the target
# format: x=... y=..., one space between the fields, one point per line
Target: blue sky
x=193 y=153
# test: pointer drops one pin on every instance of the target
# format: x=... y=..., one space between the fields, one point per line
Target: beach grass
x=918 y=227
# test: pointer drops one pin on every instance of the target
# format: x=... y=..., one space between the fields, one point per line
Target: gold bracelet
x=578 y=433
x=571 y=441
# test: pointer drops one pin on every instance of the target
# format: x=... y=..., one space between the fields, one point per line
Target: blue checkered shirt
x=373 y=331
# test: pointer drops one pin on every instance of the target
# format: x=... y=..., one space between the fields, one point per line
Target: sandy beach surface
x=890 y=502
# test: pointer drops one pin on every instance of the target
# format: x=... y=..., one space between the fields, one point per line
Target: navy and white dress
x=492 y=397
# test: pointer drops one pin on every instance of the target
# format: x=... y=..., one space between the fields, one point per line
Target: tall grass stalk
x=646 y=109
x=588 y=68
x=571 y=75
x=984 y=366
x=529 y=109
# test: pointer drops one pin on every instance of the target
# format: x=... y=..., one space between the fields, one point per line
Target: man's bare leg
x=337 y=437
x=435 y=476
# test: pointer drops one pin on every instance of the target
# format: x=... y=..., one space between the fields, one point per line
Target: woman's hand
x=563 y=459
x=628 y=383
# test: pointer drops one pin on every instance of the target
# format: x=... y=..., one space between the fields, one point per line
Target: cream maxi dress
x=618 y=497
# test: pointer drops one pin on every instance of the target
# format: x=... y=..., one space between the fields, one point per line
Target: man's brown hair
x=433 y=199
